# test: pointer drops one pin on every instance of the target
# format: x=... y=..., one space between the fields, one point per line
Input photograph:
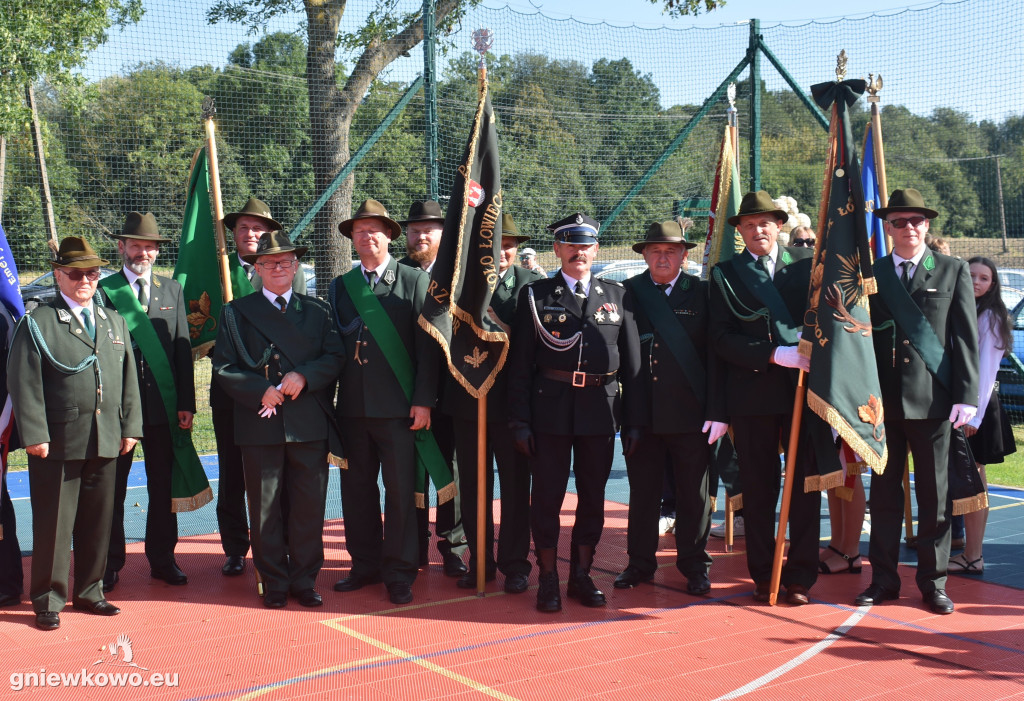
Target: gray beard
x=139 y=269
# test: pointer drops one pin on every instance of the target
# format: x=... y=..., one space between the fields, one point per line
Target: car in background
x=622 y=269
x=1012 y=277
x=43 y=289
x=1010 y=376
x=310 y=272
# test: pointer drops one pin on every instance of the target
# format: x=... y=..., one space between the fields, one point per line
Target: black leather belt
x=578 y=379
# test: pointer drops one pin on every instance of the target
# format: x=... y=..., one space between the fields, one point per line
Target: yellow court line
x=402 y=654
x=312 y=675
x=413 y=607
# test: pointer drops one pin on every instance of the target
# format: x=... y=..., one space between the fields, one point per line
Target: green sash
x=189 y=486
x=655 y=304
x=240 y=283
x=428 y=454
x=908 y=316
x=760 y=284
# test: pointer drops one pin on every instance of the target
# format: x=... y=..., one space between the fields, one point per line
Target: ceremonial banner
x=723 y=241
x=10 y=296
x=842 y=385
x=466 y=270
x=872 y=197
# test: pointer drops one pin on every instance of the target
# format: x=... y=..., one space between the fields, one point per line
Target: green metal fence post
x=804 y=97
x=754 y=54
x=430 y=96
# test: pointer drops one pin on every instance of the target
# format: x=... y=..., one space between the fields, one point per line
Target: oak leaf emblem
x=199 y=315
x=873 y=413
x=477 y=359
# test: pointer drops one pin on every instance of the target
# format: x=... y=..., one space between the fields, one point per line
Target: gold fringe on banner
x=334 y=461
x=736 y=502
x=819 y=483
x=447 y=493
x=970 y=504
x=184 y=504
x=836 y=420
x=421 y=503
x=714 y=507
x=845 y=493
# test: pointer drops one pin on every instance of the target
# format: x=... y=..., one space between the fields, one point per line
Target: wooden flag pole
x=481 y=496
x=218 y=208
x=787 y=489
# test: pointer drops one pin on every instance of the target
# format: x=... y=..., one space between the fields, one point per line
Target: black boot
x=549 y=600
x=581 y=586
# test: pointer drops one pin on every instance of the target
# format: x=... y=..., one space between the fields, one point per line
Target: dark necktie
x=905 y=277
x=143 y=297
x=371 y=276
x=249 y=270
x=580 y=294
x=282 y=303
x=762 y=263
x=87 y=323
x=663 y=286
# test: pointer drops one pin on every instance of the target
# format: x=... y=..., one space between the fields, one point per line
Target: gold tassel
x=184 y=504
x=969 y=505
x=736 y=502
x=845 y=493
x=421 y=503
x=714 y=504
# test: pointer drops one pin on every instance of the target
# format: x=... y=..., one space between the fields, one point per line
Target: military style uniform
x=83 y=416
x=373 y=413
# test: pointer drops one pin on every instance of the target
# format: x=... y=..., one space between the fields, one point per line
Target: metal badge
x=599 y=316
x=579 y=218
x=562 y=318
x=389 y=277
x=598 y=289
x=613 y=317
x=547 y=318
x=559 y=290
x=110 y=334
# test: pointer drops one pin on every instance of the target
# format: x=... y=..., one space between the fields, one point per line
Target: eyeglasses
x=809 y=243
x=282 y=264
x=78 y=275
x=901 y=222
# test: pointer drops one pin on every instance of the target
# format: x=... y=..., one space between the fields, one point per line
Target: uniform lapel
x=73 y=325
x=567 y=298
x=923 y=274
x=383 y=288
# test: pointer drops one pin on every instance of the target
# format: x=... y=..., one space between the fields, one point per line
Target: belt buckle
x=579 y=379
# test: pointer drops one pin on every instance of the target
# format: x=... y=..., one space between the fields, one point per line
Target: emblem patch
x=389 y=277
x=474 y=193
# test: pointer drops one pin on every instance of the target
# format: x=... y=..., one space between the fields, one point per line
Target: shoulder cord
x=236 y=338
x=44 y=350
x=555 y=344
x=729 y=295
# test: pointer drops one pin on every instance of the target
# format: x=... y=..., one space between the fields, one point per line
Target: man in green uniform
x=76 y=401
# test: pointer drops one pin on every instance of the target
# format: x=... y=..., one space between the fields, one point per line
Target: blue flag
x=10 y=289
x=872 y=197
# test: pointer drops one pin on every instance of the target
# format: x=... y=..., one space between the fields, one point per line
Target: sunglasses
x=78 y=275
x=809 y=243
x=903 y=221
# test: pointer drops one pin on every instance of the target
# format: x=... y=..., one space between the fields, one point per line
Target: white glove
x=267 y=411
x=789 y=357
x=715 y=430
x=962 y=413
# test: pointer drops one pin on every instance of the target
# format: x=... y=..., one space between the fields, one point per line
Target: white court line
x=800 y=659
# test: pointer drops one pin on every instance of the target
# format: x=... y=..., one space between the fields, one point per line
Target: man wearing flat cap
x=247 y=226
x=385 y=395
x=758 y=301
x=423 y=231
x=675 y=373
x=147 y=299
x=926 y=349
x=513 y=466
x=277 y=357
x=574 y=341
x=75 y=393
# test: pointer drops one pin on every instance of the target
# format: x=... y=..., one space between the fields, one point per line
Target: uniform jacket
x=167 y=313
x=368 y=388
x=673 y=404
x=946 y=297
x=610 y=344
x=456 y=400
x=67 y=411
x=752 y=384
x=320 y=359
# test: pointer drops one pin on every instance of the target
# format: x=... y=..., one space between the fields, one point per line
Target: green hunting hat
x=75 y=252
x=371 y=209
x=424 y=210
x=509 y=228
x=909 y=200
x=253 y=208
x=142 y=227
x=273 y=242
x=663 y=232
x=759 y=202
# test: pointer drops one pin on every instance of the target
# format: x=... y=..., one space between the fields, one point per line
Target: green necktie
x=90 y=328
x=762 y=263
x=905 y=277
x=143 y=297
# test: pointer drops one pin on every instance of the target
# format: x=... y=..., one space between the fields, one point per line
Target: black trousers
x=287 y=543
x=72 y=501
x=514 y=477
x=929 y=444
x=591 y=461
x=451 y=535
x=380 y=447
x=757 y=440
x=688 y=454
x=231 y=519
x=12 y=578
x=161 y=522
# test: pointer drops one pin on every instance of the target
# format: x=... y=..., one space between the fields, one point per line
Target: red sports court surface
x=652 y=642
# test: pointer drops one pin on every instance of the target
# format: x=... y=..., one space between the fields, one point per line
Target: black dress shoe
x=453 y=565
x=170 y=574
x=399 y=592
x=796 y=595
x=356 y=581
x=233 y=566
x=100 y=608
x=468 y=580
x=630 y=577
x=47 y=620
x=549 y=600
x=938 y=602
x=309 y=598
x=10 y=600
x=698 y=584
x=875 y=594
x=581 y=587
x=110 y=580
x=516 y=583
x=275 y=599
x=762 y=591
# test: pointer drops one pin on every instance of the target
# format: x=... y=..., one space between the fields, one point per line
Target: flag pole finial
x=841 y=66
x=209 y=107
x=483 y=39
x=874 y=85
